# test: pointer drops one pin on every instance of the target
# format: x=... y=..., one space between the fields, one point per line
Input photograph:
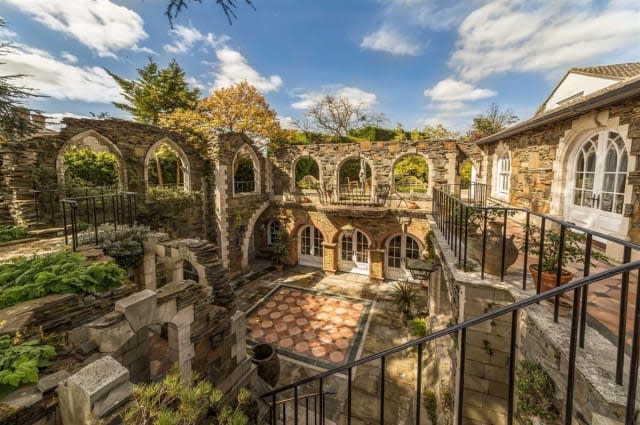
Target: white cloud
x=232 y=68
x=389 y=40
x=101 y=25
x=54 y=120
x=184 y=38
x=68 y=57
x=288 y=123
x=542 y=36
x=51 y=77
x=194 y=82
x=433 y=14
x=354 y=94
x=451 y=92
x=7 y=34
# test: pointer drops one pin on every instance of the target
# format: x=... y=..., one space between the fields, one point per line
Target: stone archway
x=246 y=238
x=186 y=166
x=95 y=141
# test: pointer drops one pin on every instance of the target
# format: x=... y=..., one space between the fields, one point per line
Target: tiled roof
x=619 y=71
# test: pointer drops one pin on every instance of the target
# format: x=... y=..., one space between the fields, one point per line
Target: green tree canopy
x=85 y=167
x=411 y=173
x=437 y=132
x=156 y=91
x=493 y=121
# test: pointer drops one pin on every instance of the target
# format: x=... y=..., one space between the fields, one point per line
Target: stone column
x=330 y=257
x=376 y=264
x=292 y=246
x=181 y=349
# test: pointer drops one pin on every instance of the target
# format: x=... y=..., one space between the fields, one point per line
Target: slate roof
x=618 y=71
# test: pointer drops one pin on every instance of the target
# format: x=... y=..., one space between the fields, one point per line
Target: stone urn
x=266 y=358
x=493 y=249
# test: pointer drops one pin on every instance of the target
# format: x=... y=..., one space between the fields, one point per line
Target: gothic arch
x=186 y=166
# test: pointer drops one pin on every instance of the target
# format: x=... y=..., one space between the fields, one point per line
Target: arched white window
x=273 y=232
x=311 y=248
x=601 y=173
x=401 y=248
x=504 y=174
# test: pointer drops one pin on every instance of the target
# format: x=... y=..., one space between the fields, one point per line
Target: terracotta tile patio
x=312 y=326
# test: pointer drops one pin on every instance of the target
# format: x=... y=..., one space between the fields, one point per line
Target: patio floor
x=368 y=315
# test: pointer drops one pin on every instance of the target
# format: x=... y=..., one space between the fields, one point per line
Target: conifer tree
x=156 y=91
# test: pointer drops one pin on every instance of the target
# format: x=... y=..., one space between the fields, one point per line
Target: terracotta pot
x=493 y=250
x=266 y=358
x=548 y=279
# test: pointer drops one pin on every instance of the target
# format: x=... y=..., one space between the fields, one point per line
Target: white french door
x=400 y=249
x=354 y=253
x=597 y=196
x=310 y=247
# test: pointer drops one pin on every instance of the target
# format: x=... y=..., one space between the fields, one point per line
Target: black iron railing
x=244 y=187
x=460 y=223
x=89 y=212
x=279 y=398
x=473 y=193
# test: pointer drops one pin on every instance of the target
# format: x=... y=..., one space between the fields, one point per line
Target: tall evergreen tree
x=14 y=117
x=156 y=91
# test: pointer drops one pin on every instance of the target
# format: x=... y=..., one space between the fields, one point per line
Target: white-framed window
x=273 y=232
x=401 y=248
x=601 y=173
x=311 y=241
x=504 y=174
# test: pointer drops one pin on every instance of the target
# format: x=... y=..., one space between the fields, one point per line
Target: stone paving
x=30 y=247
x=320 y=328
x=383 y=329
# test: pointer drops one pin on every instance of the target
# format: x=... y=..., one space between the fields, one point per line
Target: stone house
x=577 y=158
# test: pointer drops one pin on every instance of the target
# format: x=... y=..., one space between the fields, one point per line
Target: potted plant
x=266 y=358
x=573 y=253
x=280 y=250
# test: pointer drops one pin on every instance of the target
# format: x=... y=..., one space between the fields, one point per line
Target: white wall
x=575 y=83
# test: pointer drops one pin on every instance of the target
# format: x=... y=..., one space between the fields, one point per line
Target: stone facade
x=541 y=169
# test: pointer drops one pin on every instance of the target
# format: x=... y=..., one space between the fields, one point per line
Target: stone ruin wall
x=32 y=163
x=381 y=157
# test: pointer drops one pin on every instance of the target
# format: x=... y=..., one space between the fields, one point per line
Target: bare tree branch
x=229 y=8
x=338 y=115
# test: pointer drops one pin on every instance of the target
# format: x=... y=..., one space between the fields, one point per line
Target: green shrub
x=20 y=362
x=12 y=233
x=169 y=209
x=419 y=327
x=431 y=406
x=535 y=391
x=24 y=279
x=404 y=296
x=84 y=167
x=174 y=402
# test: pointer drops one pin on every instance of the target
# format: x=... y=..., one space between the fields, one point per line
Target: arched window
x=355 y=180
x=273 y=232
x=189 y=272
x=401 y=248
x=244 y=176
x=504 y=174
x=307 y=173
x=354 y=252
x=601 y=173
x=166 y=166
x=411 y=174
x=311 y=248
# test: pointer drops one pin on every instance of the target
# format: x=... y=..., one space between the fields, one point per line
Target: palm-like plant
x=404 y=295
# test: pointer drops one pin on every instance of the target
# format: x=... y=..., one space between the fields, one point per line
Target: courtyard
x=349 y=316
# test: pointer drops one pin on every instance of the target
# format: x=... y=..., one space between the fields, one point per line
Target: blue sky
x=417 y=61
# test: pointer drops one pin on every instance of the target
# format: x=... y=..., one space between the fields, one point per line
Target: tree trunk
x=159 y=171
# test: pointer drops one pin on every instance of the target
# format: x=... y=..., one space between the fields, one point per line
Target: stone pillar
x=376 y=261
x=292 y=246
x=181 y=349
x=94 y=392
x=330 y=257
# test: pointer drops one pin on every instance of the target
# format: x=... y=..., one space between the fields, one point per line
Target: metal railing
x=89 y=212
x=474 y=193
x=458 y=220
x=354 y=195
x=288 y=394
x=244 y=187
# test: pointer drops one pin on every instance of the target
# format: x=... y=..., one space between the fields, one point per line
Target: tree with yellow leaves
x=239 y=108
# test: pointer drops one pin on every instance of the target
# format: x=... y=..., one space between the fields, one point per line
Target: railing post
x=64 y=223
x=556 y=301
x=540 y=255
x=95 y=219
x=622 y=322
x=484 y=243
x=504 y=245
x=585 y=290
x=512 y=365
x=295 y=405
x=382 y=368
x=526 y=251
x=466 y=235
x=463 y=342
x=418 y=384
x=633 y=368
x=349 y=400
x=573 y=347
